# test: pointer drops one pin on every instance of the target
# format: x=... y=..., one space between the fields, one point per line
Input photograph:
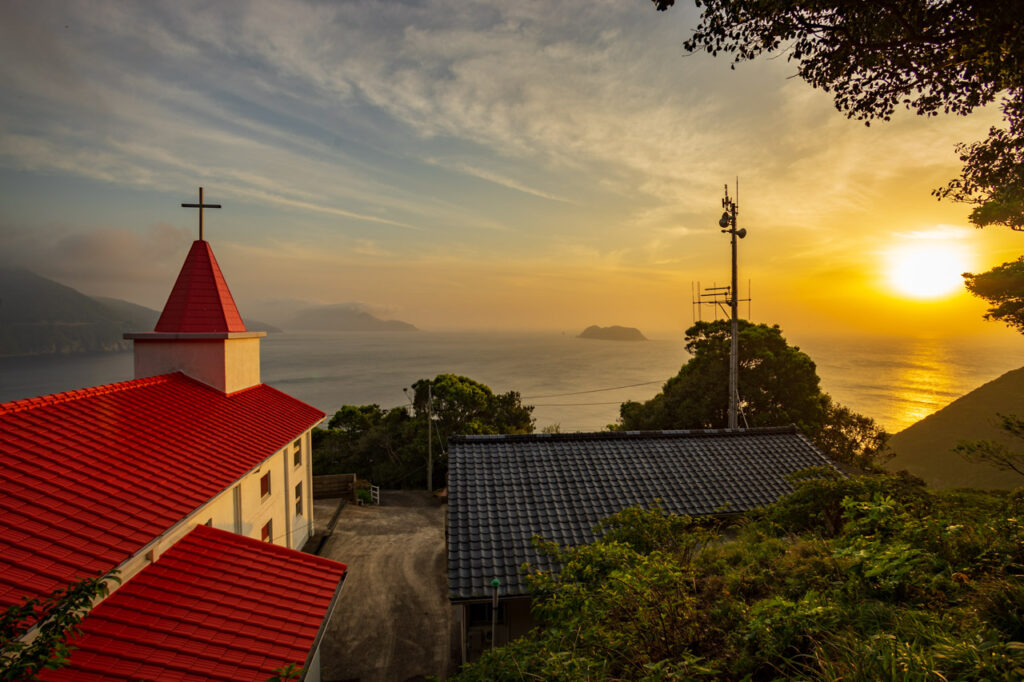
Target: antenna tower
x=727 y=299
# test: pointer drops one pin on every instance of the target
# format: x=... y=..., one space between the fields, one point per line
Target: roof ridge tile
x=92 y=391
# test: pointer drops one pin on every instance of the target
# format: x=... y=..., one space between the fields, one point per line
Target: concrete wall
x=228 y=365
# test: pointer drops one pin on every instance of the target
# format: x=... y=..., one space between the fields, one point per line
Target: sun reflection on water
x=899 y=381
x=922 y=384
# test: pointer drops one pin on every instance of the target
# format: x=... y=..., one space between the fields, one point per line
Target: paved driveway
x=393 y=620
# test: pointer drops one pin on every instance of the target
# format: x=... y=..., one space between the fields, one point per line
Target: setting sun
x=927 y=270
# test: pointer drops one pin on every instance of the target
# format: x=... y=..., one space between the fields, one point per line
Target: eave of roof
x=215 y=606
x=504 y=490
x=89 y=477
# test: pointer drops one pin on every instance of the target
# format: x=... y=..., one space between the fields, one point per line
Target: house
x=504 y=490
x=194 y=482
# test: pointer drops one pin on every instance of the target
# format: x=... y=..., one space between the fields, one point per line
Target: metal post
x=494 y=612
x=734 y=350
x=200 y=214
x=430 y=438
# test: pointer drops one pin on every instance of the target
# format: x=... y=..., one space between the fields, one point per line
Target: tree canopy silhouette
x=778 y=386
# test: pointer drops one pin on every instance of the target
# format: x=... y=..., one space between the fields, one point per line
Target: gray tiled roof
x=503 y=490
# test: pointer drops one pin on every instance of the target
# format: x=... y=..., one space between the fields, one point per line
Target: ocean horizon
x=575 y=383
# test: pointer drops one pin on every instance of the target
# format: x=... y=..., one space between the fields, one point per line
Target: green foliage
x=870 y=578
x=36 y=635
x=778 y=386
x=951 y=56
x=389 y=447
x=287 y=673
x=992 y=178
x=997 y=454
x=1003 y=288
x=778 y=383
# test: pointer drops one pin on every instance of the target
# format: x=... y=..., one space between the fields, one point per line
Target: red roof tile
x=148 y=628
x=200 y=300
x=89 y=477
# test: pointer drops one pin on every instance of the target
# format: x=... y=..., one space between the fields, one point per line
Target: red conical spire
x=200 y=301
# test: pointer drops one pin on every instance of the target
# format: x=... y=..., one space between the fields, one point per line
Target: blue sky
x=457 y=164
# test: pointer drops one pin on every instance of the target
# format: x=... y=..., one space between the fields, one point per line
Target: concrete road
x=393 y=620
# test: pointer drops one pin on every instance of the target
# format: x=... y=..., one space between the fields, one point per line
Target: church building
x=194 y=482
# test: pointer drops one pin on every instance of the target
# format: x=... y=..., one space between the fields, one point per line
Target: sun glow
x=927 y=269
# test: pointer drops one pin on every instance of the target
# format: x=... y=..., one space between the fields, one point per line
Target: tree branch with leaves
x=995 y=453
x=36 y=635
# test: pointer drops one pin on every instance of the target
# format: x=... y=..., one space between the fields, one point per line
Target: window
x=265 y=485
x=297 y=457
x=267 y=532
x=298 y=500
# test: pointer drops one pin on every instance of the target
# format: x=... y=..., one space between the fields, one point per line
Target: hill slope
x=344 y=318
x=924 y=449
x=39 y=316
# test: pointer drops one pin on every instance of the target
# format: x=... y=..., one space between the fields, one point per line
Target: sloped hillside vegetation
x=870 y=578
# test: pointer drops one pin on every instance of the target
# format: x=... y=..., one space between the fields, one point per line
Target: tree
x=778 y=385
x=1003 y=287
x=464 y=406
x=54 y=620
x=390 y=446
x=995 y=453
x=951 y=56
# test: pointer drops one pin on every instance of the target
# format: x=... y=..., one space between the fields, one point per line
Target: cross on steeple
x=200 y=206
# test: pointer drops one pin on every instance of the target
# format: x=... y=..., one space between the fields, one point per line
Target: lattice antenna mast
x=728 y=224
x=726 y=300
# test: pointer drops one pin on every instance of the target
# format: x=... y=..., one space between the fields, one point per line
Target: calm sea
x=896 y=381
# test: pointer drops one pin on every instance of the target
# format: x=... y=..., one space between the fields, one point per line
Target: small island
x=613 y=333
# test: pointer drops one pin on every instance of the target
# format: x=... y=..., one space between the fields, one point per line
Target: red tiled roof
x=200 y=300
x=214 y=606
x=89 y=477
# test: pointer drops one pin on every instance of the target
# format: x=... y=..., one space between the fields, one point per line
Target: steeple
x=200 y=331
x=200 y=300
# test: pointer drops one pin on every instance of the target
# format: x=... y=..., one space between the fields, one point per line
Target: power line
x=614 y=402
x=596 y=390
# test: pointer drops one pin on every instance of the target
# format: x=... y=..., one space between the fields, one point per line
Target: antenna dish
x=725 y=220
x=741 y=233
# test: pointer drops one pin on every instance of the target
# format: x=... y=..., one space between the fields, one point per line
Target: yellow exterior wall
x=241 y=364
x=278 y=506
x=228 y=365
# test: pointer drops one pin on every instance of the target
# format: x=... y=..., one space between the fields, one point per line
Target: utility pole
x=430 y=438
x=728 y=224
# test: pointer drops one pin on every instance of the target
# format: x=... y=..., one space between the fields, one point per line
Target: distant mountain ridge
x=925 y=448
x=39 y=316
x=343 y=317
x=613 y=333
